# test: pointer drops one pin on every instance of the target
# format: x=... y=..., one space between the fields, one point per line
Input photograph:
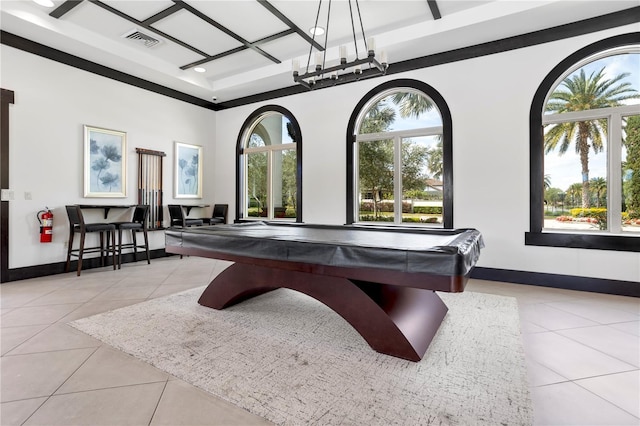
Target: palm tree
x=578 y=93
x=412 y=104
x=599 y=187
x=574 y=192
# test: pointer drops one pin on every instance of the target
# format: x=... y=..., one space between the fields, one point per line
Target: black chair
x=219 y=215
x=77 y=225
x=178 y=218
x=137 y=224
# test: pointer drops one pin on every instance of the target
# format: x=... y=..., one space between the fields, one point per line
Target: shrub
x=592 y=212
x=597 y=216
x=410 y=220
x=428 y=209
x=372 y=218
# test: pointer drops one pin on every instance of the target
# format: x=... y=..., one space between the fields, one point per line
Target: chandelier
x=345 y=71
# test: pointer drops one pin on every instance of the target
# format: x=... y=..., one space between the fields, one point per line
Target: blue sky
x=565 y=170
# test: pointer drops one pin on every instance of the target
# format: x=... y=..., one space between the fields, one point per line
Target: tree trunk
x=584 y=160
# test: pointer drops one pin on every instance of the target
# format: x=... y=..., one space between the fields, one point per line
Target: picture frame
x=105 y=163
x=187 y=171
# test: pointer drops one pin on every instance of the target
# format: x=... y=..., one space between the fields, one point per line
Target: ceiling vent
x=141 y=38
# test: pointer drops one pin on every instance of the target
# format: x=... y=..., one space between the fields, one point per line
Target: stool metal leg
x=135 y=245
x=80 y=252
x=146 y=246
x=69 y=248
x=119 y=245
x=113 y=252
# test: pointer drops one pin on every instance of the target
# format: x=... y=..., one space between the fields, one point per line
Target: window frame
x=537 y=236
x=241 y=160
x=374 y=95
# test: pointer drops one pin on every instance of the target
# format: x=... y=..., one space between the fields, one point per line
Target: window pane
x=256 y=196
x=273 y=129
x=631 y=174
x=575 y=175
x=255 y=141
x=602 y=83
x=401 y=111
x=422 y=187
x=375 y=180
x=270 y=188
x=284 y=184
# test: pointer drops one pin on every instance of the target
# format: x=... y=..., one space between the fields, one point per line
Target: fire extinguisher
x=46 y=225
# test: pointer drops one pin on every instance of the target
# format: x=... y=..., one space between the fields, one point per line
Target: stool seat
x=95 y=227
x=127 y=225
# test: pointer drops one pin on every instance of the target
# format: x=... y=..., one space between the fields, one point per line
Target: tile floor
x=582 y=349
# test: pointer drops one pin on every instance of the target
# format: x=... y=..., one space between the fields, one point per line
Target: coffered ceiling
x=246 y=47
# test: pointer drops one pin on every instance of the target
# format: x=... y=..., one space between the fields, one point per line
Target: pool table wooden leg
x=394 y=320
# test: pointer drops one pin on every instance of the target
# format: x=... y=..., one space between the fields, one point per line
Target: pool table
x=381 y=279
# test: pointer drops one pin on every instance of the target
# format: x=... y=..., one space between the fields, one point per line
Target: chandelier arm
x=314 y=37
x=364 y=36
x=353 y=29
x=326 y=37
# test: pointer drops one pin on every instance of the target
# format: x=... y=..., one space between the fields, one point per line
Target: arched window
x=585 y=145
x=399 y=157
x=269 y=166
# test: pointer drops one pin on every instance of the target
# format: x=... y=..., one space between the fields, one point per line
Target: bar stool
x=138 y=223
x=178 y=218
x=77 y=225
x=219 y=215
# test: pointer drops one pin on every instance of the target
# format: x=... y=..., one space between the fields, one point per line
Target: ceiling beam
x=435 y=11
x=163 y=14
x=64 y=8
x=290 y=23
x=227 y=31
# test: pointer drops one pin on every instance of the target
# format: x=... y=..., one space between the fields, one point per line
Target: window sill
x=583 y=241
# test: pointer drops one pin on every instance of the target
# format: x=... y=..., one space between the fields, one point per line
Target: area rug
x=290 y=359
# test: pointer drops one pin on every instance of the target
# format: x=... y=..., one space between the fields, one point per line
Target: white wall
x=489 y=98
x=52 y=103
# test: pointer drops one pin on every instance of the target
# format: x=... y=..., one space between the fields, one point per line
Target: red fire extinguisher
x=46 y=225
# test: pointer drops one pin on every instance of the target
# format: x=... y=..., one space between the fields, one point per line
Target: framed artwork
x=187 y=172
x=105 y=163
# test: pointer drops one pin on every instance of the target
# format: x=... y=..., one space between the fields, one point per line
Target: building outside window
x=269 y=164
x=399 y=166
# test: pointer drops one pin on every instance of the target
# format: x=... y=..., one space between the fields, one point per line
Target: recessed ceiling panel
x=139 y=10
x=248 y=19
x=236 y=63
x=286 y=47
x=189 y=28
x=100 y=21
